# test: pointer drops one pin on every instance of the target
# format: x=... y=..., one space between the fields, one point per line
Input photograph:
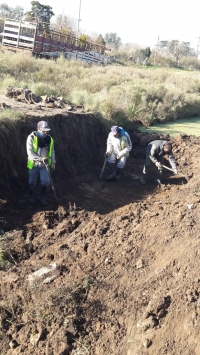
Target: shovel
x=166 y=167
x=98 y=184
x=52 y=185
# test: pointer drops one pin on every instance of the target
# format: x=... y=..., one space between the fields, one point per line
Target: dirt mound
x=114 y=271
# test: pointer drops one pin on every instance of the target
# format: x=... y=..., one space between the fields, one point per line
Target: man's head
x=43 y=127
x=115 y=131
x=167 y=147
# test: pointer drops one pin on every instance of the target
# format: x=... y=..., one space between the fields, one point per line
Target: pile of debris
x=25 y=95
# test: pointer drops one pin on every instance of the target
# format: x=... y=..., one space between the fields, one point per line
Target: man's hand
x=107 y=154
x=44 y=160
x=175 y=171
x=159 y=165
x=53 y=166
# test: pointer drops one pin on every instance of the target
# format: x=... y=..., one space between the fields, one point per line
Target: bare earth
x=124 y=264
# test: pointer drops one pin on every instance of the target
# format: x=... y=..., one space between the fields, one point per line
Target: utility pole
x=156 y=50
x=79 y=13
x=198 y=47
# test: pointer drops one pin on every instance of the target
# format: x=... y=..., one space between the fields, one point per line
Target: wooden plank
x=26 y=25
x=13 y=23
x=25 y=38
x=10 y=35
x=18 y=24
x=9 y=42
x=24 y=44
x=14 y=44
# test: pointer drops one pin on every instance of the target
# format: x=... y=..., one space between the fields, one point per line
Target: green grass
x=190 y=127
x=118 y=93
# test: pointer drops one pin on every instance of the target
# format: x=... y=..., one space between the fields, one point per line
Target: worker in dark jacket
x=155 y=153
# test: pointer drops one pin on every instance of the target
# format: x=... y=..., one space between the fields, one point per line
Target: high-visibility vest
x=30 y=163
x=123 y=144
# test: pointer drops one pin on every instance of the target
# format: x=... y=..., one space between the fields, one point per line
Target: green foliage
x=42 y=13
x=134 y=111
x=176 y=49
x=82 y=40
x=12 y=115
x=151 y=120
x=2 y=259
x=147 y=52
x=121 y=93
x=112 y=40
x=16 y=12
x=140 y=55
x=100 y=40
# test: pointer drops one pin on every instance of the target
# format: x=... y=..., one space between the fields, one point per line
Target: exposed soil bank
x=78 y=144
x=124 y=260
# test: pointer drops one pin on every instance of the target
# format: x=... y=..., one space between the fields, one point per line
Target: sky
x=135 y=21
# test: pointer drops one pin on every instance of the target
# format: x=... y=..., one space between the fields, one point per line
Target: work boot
x=117 y=174
x=41 y=195
x=143 y=180
x=158 y=177
x=158 y=182
x=112 y=175
x=31 y=198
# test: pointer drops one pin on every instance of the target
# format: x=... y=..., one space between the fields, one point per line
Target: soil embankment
x=123 y=261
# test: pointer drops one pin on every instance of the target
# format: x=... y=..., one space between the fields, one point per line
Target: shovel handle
x=104 y=164
x=166 y=167
x=50 y=178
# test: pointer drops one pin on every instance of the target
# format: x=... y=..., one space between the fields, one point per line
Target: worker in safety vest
x=41 y=157
x=118 y=147
x=156 y=150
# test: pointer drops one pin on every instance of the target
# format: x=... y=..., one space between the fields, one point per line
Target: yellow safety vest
x=123 y=145
x=30 y=163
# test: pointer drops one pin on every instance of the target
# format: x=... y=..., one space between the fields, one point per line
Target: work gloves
x=53 y=166
x=107 y=154
x=44 y=160
x=119 y=155
x=159 y=165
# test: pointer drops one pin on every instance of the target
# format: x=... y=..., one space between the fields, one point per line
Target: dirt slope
x=124 y=275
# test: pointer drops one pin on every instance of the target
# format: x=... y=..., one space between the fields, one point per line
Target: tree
x=140 y=55
x=112 y=40
x=14 y=13
x=82 y=40
x=179 y=49
x=176 y=49
x=100 y=40
x=65 y=24
x=147 y=52
x=40 y=13
x=163 y=44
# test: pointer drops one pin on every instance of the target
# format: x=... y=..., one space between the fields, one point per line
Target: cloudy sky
x=134 y=21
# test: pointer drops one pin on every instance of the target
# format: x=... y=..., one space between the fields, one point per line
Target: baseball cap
x=114 y=130
x=43 y=126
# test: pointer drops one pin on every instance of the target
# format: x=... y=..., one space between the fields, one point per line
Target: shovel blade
x=97 y=184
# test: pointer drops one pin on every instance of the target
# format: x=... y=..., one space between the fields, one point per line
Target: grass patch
x=3 y=260
x=128 y=91
x=189 y=127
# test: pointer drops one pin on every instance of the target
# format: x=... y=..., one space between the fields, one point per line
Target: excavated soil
x=122 y=261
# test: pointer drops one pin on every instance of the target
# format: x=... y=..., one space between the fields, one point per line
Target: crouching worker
x=155 y=153
x=118 y=147
x=41 y=157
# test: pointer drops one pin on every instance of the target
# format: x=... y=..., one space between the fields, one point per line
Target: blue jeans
x=42 y=172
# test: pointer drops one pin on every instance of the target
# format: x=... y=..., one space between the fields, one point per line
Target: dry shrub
x=110 y=91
